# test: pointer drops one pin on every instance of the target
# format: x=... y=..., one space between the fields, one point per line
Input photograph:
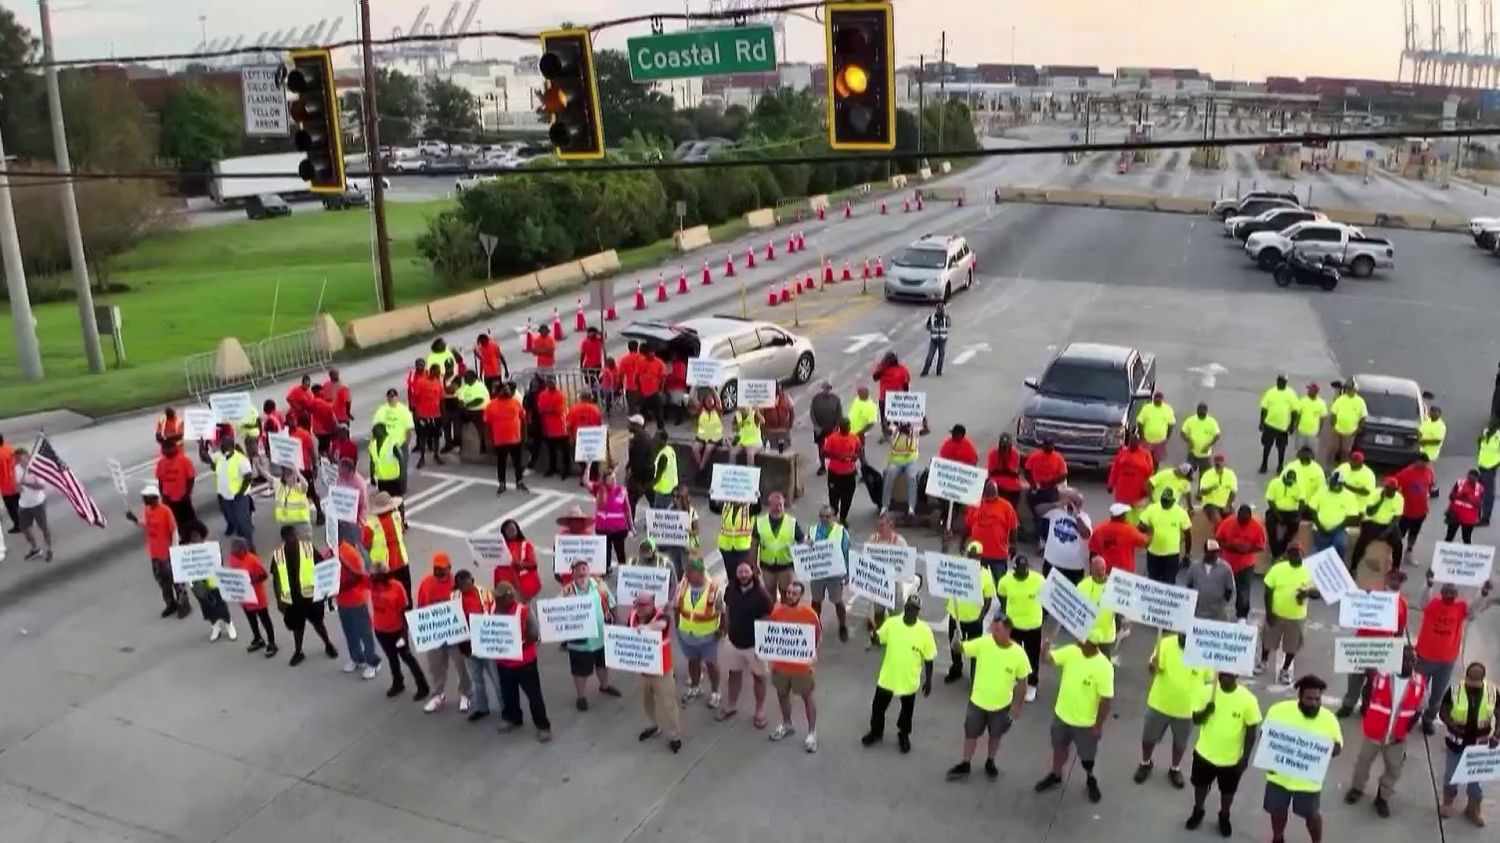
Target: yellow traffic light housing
x=571 y=95
x=861 y=76
x=315 y=110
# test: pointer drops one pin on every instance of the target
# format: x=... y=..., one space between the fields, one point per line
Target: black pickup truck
x=1085 y=402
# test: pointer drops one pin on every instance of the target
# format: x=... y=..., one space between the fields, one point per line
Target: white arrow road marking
x=969 y=351
x=1208 y=375
x=863 y=341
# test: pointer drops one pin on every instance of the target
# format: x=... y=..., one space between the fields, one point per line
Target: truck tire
x=1363 y=266
x=1268 y=258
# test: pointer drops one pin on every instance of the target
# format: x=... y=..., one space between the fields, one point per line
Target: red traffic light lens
x=850 y=39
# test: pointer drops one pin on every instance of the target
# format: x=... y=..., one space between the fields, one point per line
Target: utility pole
x=376 y=166
x=81 y=289
x=921 y=98
x=942 y=88
x=28 y=354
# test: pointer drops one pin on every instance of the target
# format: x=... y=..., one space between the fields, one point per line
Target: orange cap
x=349 y=555
x=441 y=560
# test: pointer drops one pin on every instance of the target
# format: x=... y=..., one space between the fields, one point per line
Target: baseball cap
x=636 y=419
x=1118 y=509
x=150 y=491
x=1211 y=544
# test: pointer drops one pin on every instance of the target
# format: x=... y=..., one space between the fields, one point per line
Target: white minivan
x=931 y=269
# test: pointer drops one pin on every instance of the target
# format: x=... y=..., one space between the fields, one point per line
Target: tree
x=452 y=112
x=400 y=106
x=199 y=125
x=23 y=104
x=627 y=106
x=108 y=127
x=787 y=113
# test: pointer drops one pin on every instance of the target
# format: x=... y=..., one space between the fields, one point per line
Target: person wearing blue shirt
x=831 y=588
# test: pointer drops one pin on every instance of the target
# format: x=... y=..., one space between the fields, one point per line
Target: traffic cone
x=728 y=266
x=905 y=206
x=865 y=273
x=661 y=287
x=845 y=275
x=557 y=331
x=750 y=258
x=770 y=250
x=708 y=276
x=960 y=200
x=827 y=272
x=786 y=293
x=771 y=300
x=809 y=284
x=822 y=213
x=640 y=296
x=526 y=342
x=580 y=323
x=682 y=286
x=799 y=215
x=610 y=315
x=801 y=242
x=919 y=201
x=879 y=268
x=791 y=244
x=848 y=209
x=882 y=207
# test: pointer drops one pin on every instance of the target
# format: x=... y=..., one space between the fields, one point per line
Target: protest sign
x=1462 y=564
x=194 y=562
x=198 y=424
x=786 y=642
x=737 y=483
x=1369 y=610
x=235 y=586
x=757 y=393
x=955 y=481
x=230 y=407
x=331 y=533
x=495 y=636
x=328 y=474
x=817 y=561
x=876 y=581
x=488 y=550
x=1329 y=574
x=285 y=451
x=433 y=626
x=117 y=476
x=569 y=549
x=1292 y=752
x=568 y=618
x=1063 y=601
x=591 y=444
x=1478 y=763
x=899 y=558
x=1356 y=655
x=909 y=407
x=1221 y=646
x=635 y=579
x=1149 y=602
x=633 y=650
x=668 y=527
x=342 y=504
x=954 y=578
x=705 y=371
x=326 y=579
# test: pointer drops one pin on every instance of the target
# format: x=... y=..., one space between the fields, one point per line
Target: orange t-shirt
x=893 y=379
x=649 y=374
x=489 y=360
x=161 y=527
x=1117 y=542
x=584 y=414
x=629 y=362
x=803 y=614
x=431 y=590
x=503 y=416
x=7 y=470
x=842 y=453
x=545 y=349
x=991 y=523
x=428 y=394
x=388 y=604
x=1046 y=469
x=173 y=475
x=552 y=406
x=251 y=564
x=1231 y=532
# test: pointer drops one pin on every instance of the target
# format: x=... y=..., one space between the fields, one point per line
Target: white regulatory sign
x=265 y=101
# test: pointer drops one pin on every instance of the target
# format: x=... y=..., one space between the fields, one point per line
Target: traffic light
x=571 y=97
x=861 y=76
x=315 y=110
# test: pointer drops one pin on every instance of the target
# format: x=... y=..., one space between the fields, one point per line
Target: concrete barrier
x=1350 y=216
x=1183 y=205
x=453 y=310
x=601 y=264
x=501 y=293
x=944 y=194
x=1421 y=222
x=1348 y=166
x=945 y=167
x=1128 y=201
x=1446 y=223
x=563 y=273
x=327 y=338
x=816 y=202
x=925 y=173
x=1013 y=194
x=1084 y=198
x=1489 y=177
x=762 y=218
x=231 y=363
x=370 y=331
x=689 y=239
x=898 y=181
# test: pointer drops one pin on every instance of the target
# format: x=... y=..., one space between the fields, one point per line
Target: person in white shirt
x=1065 y=543
x=232 y=478
x=33 y=505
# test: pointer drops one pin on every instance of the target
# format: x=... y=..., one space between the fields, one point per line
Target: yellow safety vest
x=305 y=575
x=734 y=527
x=710 y=426
x=1487 y=700
x=1489 y=450
x=903 y=449
x=1432 y=429
x=250 y=424
x=384 y=464
x=692 y=514
x=747 y=430
x=776 y=548
x=1283 y=498
x=379 y=552
x=668 y=480
x=292 y=506
x=228 y=471
x=699 y=618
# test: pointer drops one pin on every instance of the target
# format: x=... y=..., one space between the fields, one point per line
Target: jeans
x=482 y=674
x=938 y=349
x=1474 y=790
x=515 y=681
x=1438 y=674
x=1338 y=539
x=891 y=473
x=359 y=635
x=881 y=703
x=1031 y=642
x=237 y=522
x=1486 y=506
x=1163 y=568
x=1243 y=582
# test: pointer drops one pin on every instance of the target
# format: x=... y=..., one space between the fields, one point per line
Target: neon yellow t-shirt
x=1310 y=414
x=1282 y=497
x=1104 y=631
x=1082 y=683
x=1176 y=689
x=1387 y=509
x=1154 y=421
x=1168 y=478
x=1324 y=725
x=1217 y=485
x=1331 y=509
x=1359 y=482
x=1166 y=526
x=1347 y=411
x=1221 y=737
x=862 y=414
x=1310 y=477
x=906 y=648
x=997 y=669
x=1433 y=431
x=1023 y=599
x=1284 y=580
x=1200 y=433
x=1279 y=404
x=966 y=612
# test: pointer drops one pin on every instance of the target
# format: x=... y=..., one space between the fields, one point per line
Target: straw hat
x=574 y=514
x=383 y=502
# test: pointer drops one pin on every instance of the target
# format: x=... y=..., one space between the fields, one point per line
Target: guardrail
x=271 y=358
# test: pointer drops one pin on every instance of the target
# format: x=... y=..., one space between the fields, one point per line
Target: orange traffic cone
x=905 y=206
x=526 y=343
x=682 y=286
x=661 y=287
x=809 y=283
x=827 y=272
x=919 y=201
x=770 y=250
x=771 y=300
x=882 y=207
x=708 y=276
x=845 y=275
x=580 y=323
x=557 y=331
x=865 y=272
x=791 y=244
x=801 y=242
x=823 y=213
x=786 y=293
x=640 y=296
x=848 y=209
x=728 y=266
x=879 y=268
x=610 y=315
x=750 y=258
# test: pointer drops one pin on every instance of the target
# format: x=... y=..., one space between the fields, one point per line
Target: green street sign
x=702 y=52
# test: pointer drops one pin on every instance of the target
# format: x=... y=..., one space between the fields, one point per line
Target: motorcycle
x=1301 y=269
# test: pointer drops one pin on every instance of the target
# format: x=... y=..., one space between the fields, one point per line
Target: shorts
x=1305 y=804
x=694 y=647
x=800 y=684
x=828 y=588
x=1282 y=634
x=1156 y=726
x=737 y=660
x=777 y=578
x=1205 y=773
x=33 y=516
x=1083 y=737
x=977 y=721
x=583 y=663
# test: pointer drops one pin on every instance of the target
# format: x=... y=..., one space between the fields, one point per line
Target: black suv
x=1085 y=402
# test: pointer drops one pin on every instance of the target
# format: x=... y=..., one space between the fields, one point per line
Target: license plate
x=1384 y=440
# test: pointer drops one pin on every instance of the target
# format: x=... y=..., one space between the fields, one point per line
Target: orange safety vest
x=1378 y=718
x=169 y=428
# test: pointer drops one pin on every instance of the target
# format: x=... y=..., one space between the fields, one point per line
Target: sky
x=1249 y=39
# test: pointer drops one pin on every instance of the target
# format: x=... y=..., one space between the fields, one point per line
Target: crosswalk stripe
x=433 y=499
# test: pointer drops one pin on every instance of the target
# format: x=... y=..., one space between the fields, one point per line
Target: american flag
x=46 y=464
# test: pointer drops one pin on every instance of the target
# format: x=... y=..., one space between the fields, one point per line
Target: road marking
x=863 y=341
x=1209 y=374
x=433 y=498
x=969 y=352
x=529 y=512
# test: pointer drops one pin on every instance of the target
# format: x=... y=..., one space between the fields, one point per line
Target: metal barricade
x=201 y=371
x=271 y=358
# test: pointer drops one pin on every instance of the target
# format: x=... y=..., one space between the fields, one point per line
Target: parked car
x=1085 y=402
x=1226 y=208
x=931 y=268
x=432 y=147
x=352 y=197
x=1345 y=246
x=750 y=349
x=1252 y=208
x=1485 y=230
x=409 y=165
x=1397 y=407
x=1276 y=219
x=464 y=183
x=266 y=206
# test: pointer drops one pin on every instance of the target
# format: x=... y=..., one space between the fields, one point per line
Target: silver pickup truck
x=1346 y=246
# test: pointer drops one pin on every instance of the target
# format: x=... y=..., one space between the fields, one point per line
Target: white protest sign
x=1357 y=655
x=757 y=393
x=1063 y=601
x=1478 y=764
x=1292 y=752
x=568 y=618
x=569 y=549
x=818 y=561
x=1149 y=602
x=495 y=636
x=1462 y=564
x=488 y=550
x=328 y=473
x=342 y=504
x=1374 y=610
x=591 y=444
x=705 y=371
x=235 y=586
x=736 y=483
x=668 y=527
x=1221 y=646
x=633 y=650
x=326 y=579
x=331 y=533
x=194 y=562
x=117 y=474
x=433 y=626
x=285 y=450
x=955 y=481
x=876 y=581
x=230 y=407
x=954 y=578
x=657 y=582
x=1329 y=574
x=899 y=558
x=786 y=642
x=198 y=423
x=910 y=407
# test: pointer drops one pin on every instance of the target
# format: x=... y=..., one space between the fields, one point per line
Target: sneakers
x=1382 y=808
x=330 y=651
x=1030 y=694
x=954 y=674
x=1260 y=667
x=782 y=731
x=693 y=692
x=395 y=691
x=463 y=704
x=1194 y=819
x=271 y=651
x=214 y=631
x=1143 y=772
x=1047 y=782
x=350 y=667
x=991 y=772
x=1344 y=712
x=1353 y=795
x=1225 y=827
x=648 y=733
x=904 y=741
x=475 y=716
x=1174 y=776
x=169 y=611
x=844 y=634
x=369 y=672
x=229 y=629
x=1284 y=677
x=296 y=659
x=435 y=703
x=810 y=743
x=255 y=644
x=869 y=739
x=713 y=700
x=1092 y=786
x=581 y=704
x=958 y=771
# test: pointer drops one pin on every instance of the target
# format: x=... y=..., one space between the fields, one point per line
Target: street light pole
x=28 y=353
x=377 y=166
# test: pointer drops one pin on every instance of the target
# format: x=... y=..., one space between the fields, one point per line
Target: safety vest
x=486 y=600
x=305 y=575
x=250 y=424
x=747 y=430
x=228 y=471
x=1378 y=717
x=384 y=464
x=692 y=514
x=292 y=506
x=734 y=527
x=169 y=428
x=379 y=552
x=710 y=426
x=440 y=359
x=700 y=618
x=776 y=548
x=1460 y=714
x=1432 y=429
x=1489 y=450
x=528 y=648
x=903 y=449
x=668 y=481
